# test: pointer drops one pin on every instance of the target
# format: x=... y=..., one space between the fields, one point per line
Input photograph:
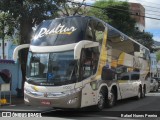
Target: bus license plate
x=45 y=102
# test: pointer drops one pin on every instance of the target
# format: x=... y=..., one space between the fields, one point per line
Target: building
x=139 y=12
x=16 y=74
x=154 y=69
x=158 y=70
x=8 y=49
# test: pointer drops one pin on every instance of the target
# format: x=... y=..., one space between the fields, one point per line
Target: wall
x=138 y=9
x=153 y=64
x=16 y=75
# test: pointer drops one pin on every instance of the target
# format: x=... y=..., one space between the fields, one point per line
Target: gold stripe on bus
x=103 y=56
x=67 y=33
x=114 y=63
x=121 y=58
x=122 y=81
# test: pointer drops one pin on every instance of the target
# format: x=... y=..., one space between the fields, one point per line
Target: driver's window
x=87 y=62
x=34 y=68
x=90 y=61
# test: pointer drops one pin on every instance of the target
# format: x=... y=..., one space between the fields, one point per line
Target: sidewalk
x=17 y=100
x=17 y=105
x=14 y=100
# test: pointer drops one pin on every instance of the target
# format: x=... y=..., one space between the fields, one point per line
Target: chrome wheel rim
x=100 y=101
x=111 y=100
x=139 y=93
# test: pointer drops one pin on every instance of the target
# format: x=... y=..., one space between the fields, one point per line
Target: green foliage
x=6 y=28
x=71 y=8
x=145 y=38
x=112 y=13
x=6 y=24
x=158 y=56
x=117 y=14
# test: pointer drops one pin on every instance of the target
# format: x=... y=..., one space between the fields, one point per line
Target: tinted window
x=95 y=31
x=89 y=61
x=135 y=77
x=125 y=77
x=60 y=31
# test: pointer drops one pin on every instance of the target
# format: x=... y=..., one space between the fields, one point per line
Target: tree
x=117 y=14
x=145 y=38
x=112 y=13
x=158 y=55
x=6 y=28
x=68 y=8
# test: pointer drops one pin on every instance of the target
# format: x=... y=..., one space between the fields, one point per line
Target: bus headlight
x=72 y=101
x=32 y=92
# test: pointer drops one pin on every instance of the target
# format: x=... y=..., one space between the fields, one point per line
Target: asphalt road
x=147 y=108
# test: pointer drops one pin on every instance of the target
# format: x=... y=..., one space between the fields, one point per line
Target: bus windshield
x=56 y=68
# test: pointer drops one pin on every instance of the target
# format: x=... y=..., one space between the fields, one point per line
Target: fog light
x=72 y=101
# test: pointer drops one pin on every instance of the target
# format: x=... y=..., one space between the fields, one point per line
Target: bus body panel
x=61 y=96
x=89 y=96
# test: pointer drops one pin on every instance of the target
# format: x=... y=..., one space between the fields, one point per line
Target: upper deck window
x=95 y=31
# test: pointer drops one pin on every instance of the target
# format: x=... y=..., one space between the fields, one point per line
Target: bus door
x=88 y=68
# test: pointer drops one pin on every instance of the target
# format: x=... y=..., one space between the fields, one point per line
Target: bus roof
x=82 y=21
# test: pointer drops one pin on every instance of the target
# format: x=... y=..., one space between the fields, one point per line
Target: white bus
x=80 y=61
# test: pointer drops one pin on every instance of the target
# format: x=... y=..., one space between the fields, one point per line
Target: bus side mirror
x=83 y=44
x=107 y=74
x=17 y=49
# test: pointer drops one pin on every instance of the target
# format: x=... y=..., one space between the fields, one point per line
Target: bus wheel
x=139 y=93
x=144 y=92
x=112 y=100
x=101 y=101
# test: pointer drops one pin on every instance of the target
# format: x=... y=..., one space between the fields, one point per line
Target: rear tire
x=157 y=89
x=139 y=96
x=144 y=92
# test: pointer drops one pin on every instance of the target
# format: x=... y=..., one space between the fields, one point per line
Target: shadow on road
x=127 y=106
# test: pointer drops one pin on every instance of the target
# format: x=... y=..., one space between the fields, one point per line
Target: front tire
x=101 y=101
x=112 y=100
x=144 y=92
x=139 y=96
x=157 y=89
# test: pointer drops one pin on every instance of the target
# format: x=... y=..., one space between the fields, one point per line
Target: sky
x=152 y=9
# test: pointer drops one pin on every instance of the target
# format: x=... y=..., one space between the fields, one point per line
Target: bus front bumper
x=71 y=100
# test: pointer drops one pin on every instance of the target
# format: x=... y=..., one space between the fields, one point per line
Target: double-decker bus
x=80 y=61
